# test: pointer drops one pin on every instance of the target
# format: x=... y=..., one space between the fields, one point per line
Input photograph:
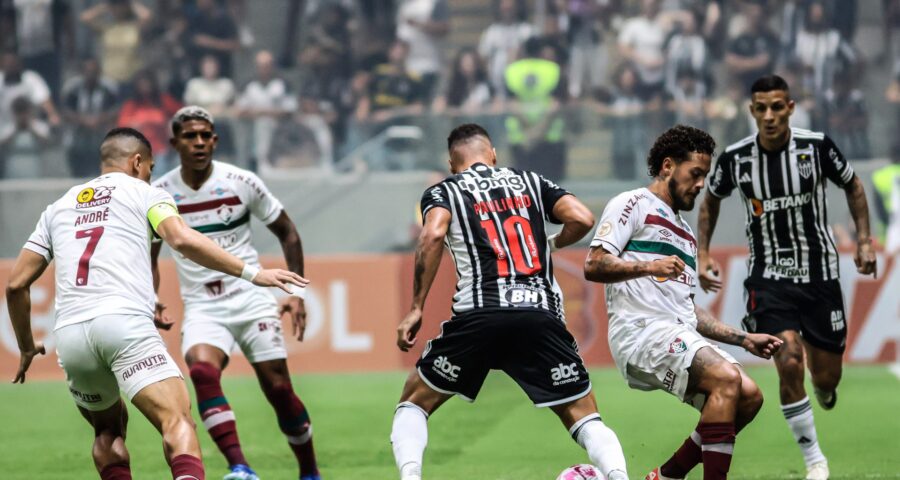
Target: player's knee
x=751 y=398
x=726 y=380
x=204 y=373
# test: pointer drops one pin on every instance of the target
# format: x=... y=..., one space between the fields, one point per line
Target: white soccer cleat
x=817 y=471
x=412 y=477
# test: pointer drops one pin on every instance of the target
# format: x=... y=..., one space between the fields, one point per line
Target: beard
x=681 y=202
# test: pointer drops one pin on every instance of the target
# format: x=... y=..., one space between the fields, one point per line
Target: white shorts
x=259 y=339
x=662 y=357
x=112 y=353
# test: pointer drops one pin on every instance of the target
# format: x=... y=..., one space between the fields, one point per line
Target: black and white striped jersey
x=785 y=204
x=497 y=238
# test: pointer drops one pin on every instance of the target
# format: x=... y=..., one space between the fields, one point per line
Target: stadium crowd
x=346 y=70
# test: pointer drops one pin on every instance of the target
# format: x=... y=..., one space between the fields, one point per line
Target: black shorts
x=816 y=310
x=532 y=347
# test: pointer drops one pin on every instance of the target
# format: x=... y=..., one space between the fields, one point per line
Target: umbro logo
x=803 y=440
x=745 y=178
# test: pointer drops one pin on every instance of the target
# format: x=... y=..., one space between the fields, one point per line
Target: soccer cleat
x=817 y=471
x=240 y=472
x=826 y=400
x=412 y=477
x=655 y=475
x=617 y=475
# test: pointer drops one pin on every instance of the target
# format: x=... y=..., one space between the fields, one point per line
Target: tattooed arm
x=759 y=344
x=428 y=259
x=604 y=267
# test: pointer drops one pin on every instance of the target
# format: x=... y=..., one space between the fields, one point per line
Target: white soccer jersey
x=221 y=210
x=99 y=234
x=638 y=226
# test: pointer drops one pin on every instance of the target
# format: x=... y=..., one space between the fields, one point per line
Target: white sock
x=409 y=436
x=601 y=443
x=799 y=417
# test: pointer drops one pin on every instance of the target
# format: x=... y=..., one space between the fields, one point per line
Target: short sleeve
x=39 y=241
x=834 y=165
x=263 y=204
x=618 y=223
x=550 y=194
x=722 y=182
x=436 y=196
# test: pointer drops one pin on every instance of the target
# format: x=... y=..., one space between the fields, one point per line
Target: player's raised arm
x=759 y=344
x=428 y=259
x=28 y=268
x=198 y=248
x=577 y=221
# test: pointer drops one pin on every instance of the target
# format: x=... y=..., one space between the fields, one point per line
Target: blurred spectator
x=821 y=50
x=689 y=97
x=887 y=201
x=468 y=90
x=751 y=54
x=536 y=129
x=16 y=82
x=624 y=113
x=730 y=113
x=212 y=31
x=848 y=117
x=890 y=27
x=149 y=110
x=393 y=90
x=326 y=90
x=687 y=55
x=120 y=25
x=329 y=40
x=210 y=90
x=261 y=105
x=43 y=31
x=22 y=142
x=90 y=107
x=501 y=41
x=588 y=56
x=642 y=42
x=422 y=24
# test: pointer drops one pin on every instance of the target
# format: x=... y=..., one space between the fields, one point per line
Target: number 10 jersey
x=497 y=238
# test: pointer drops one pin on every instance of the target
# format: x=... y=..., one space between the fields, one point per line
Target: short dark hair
x=190 y=112
x=768 y=83
x=129 y=132
x=677 y=143
x=465 y=132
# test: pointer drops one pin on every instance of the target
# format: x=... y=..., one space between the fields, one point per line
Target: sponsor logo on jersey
x=665 y=233
x=604 y=229
x=225 y=213
x=94 y=197
x=678 y=346
x=178 y=197
x=524 y=296
x=150 y=363
x=629 y=208
x=745 y=178
x=662 y=212
x=779 y=203
x=781 y=271
x=837 y=320
x=214 y=288
x=805 y=166
x=563 y=374
x=669 y=380
x=717 y=177
x=225 y=241
x=444 y=368
x=475 y=185
x=218 y=191
x=685 y=278
x=85 y=397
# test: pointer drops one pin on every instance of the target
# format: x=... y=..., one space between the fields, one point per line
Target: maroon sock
x=295 y=424
x=717 y=444
x=187 y=467
x=685 y=458
x=217 y=416
x=119 y=471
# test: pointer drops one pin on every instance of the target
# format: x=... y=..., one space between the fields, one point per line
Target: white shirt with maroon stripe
x=221 y=209
x=99 y=235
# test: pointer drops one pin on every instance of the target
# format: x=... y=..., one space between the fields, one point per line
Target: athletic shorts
x=531 y=346
x=661 y=359
x=112 y=353
x=816 y=310
x=259 y=339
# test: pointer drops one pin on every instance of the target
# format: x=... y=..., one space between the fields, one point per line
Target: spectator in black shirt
x=212 y=31
x=90 y=106
x=753 y=52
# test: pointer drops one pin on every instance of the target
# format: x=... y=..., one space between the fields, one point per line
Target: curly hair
x=677 y=143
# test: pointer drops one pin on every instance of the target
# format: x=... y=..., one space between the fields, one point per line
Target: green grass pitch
x=501 y=436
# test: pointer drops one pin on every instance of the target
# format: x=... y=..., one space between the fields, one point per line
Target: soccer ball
x=580 y=472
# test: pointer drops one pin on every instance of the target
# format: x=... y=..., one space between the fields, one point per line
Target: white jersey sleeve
x=618 y=223
x=39 y=242
x=263 y=205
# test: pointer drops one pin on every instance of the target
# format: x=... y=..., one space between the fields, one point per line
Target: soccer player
x=218 y=199
x=644 y=252
x=508 y=309
x=792 y=290
x=99 y=234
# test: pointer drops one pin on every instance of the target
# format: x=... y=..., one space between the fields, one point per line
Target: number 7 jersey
x=497 y=238
x=99 y=234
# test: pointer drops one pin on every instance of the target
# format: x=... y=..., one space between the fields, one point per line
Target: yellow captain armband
x=160 y=212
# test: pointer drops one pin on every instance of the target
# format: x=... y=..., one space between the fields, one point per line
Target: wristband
x=299 y=292
x=249 y=272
